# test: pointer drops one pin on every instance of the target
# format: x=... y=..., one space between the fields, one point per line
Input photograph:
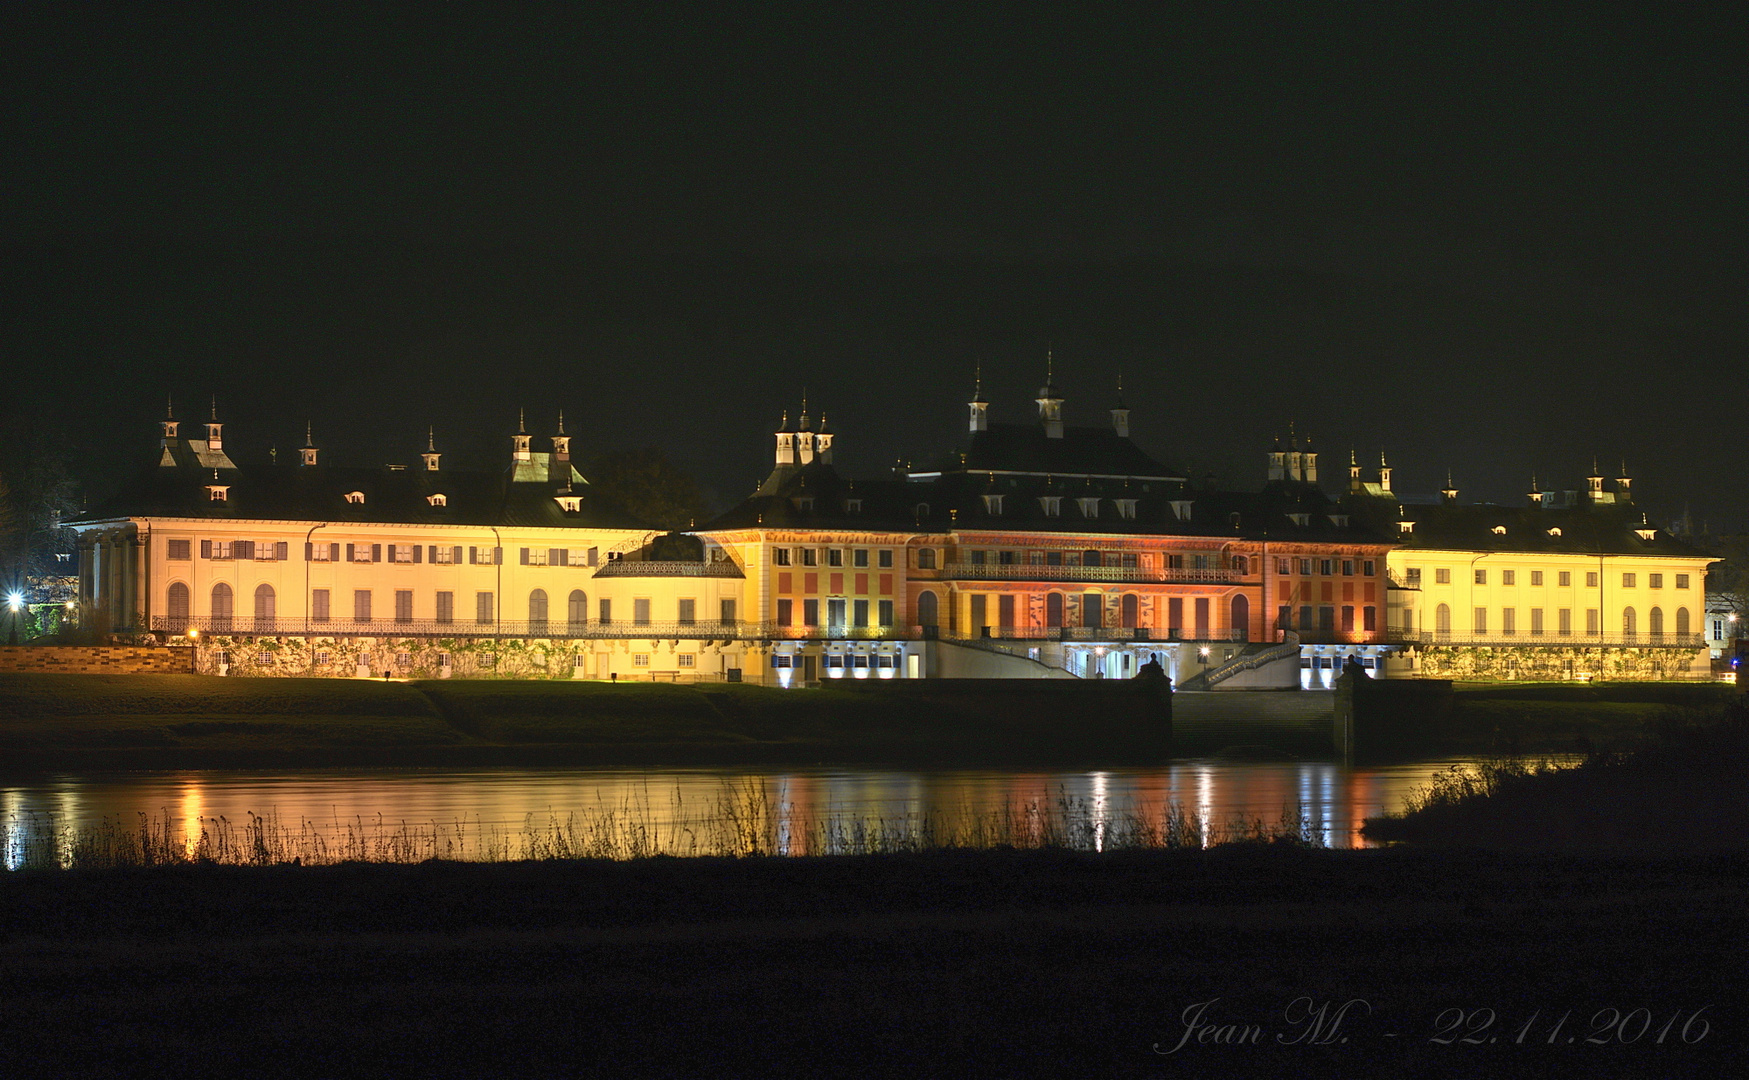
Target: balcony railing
x=637 y=568
x=965 y=571
x=1644 y=641
x=1090 y=633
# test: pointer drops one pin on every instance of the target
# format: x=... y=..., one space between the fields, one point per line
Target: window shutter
x=282 y=550
x=457 y=557
x=525 y=556
x=433 y=552
x=348 y=552
x=473 y=556
x=376 y=553
x=245 y=549
x=418 y=552
x=497 y=556
x=334 y=552
x=206 y=549
x=309 y=551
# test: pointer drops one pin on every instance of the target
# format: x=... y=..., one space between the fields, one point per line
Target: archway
x=264 y=606
x=1442 y=620
x=1054 y=609
x=221 y=606
x=927 y=609
x=577 y=611
x=1241 y=617
x=177 y=608
x=537 y=611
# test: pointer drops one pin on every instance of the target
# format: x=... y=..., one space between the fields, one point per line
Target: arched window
x=221 y=606
x=1054 y=609
x=1241 y=565
x=1655 y=623
x=925 y=558
x=1682 y=622
x=926 y=608
x=577 y=612
x=177 y=608
x=537 y=611
x=1442 y=620
x=1242 y=617
x=1128 y=610
x=1629 y=625
x=1093 y=610
x=264 y=605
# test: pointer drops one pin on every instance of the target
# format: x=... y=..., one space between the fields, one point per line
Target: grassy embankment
x=1538 y=718
x=1683 y=785
x=187 y=721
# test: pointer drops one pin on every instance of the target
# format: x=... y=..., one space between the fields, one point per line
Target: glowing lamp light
x=193 y=633
x=1204 y=651
x=15 y=600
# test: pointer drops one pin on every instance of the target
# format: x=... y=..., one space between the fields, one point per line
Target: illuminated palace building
x=1034 y=549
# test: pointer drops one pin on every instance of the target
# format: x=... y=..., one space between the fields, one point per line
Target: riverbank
x=1683 y=787
x=90 y=722
x=955 y=964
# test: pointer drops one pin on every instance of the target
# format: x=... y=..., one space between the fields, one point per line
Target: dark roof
x=1082 y=451
x=318 y=493
x=815 y=496
x=1609 y=529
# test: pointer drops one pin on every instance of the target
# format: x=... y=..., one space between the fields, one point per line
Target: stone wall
x=97 y=660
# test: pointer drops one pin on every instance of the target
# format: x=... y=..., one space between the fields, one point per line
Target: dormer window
x=1126 y=509
x=437 y=500
x=355 y=497
x=992 y=504
x=1405 y=527
x=1181 y=509
x=853 y=506
x=218 y=492
x=920 y=510
x=1554 y=532
x=805 y=504
x=1089 y=506
x=1052 y=505
x=1300 y=519
x=1498 y=530
x=1339 y=520
x=1646 y=534
x=570 y=504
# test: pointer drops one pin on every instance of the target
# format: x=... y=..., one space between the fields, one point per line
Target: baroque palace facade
x=1033 y=549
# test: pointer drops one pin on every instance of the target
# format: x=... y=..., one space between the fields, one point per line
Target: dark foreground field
x=997 y=964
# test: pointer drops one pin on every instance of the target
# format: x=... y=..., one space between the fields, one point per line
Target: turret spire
x=308 y=453
x=980 y=409
x=1050 y=402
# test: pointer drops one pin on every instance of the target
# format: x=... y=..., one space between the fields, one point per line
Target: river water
x=506 y=813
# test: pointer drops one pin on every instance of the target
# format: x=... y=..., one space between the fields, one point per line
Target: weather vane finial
x=561 y=421
x=215 y=407
x=431 y=439
x=169 y=407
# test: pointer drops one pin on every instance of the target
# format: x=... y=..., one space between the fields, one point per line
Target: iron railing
x=638 y=568
x=552 y=628
x=1647 y=640
x=1089 y=634
x=966 y=571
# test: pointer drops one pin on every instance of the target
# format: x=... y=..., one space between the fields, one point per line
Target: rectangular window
x=786 y=612
x=1564 y=579
x=1536 y=622
x=641 y=611
x=442 y=554
x=1368 y=568
x=980 y=609
x=606 y=609
x=1348 y=618
x=1481 y=576
x=359 y=553
x=320 y=552
x=726 y=611
x=446 y=607
x=884 y=560
x=403 y=605
x=1509 y=621
x=1371 y=617
x=641 y=659
x=976 y=558
x=1284 y=617
x=810 y=613
x=361 y=605
x=319 y=605
x=1593 y=621
x=834 y=556
x=1412 y=577
x=1284 y=566
x=833 y=660
x=835 y=614
x=1347 y=567
x=1324 y=566
x=780 y=661
x=1682 y=581
x=1481 y=625
x=884 y=612
x=859 y=558
x=1509 y=577
x=483 y=607
x=859 y=660
x=810 y=557
x=686 y=659
x=179 y=550
x=886 y=661
x=1536 y=578
x=401 y=553
x=1591 y=579
x=1442 y=575
x=688 y=612
x=1326 y=619
x=1628 y=581
x=859 y=614
x=1564 y=622
x=1654 y=581
x=221 y=549
x=780 y=556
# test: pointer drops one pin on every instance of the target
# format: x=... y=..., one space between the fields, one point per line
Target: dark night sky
x=1494 y=241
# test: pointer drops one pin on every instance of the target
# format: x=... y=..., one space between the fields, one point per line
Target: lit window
x=1126 y=509
x=437 y=500
x=1052 y=505
x=570 y=504
x=1554 y=532
x=217 y=493
x=641 y=659
x=1498 y=530
x=355 y=497
x=992 y=504
x=1089 y=506
x=685 y=659
x=1646 y=534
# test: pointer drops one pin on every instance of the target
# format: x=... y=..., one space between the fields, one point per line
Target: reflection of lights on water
x=192 y=809
x=1205 y=788
x=1099 y=812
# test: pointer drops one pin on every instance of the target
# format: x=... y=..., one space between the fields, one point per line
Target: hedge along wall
x=1558 y=664
x=97 y=660
x=417 y=658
